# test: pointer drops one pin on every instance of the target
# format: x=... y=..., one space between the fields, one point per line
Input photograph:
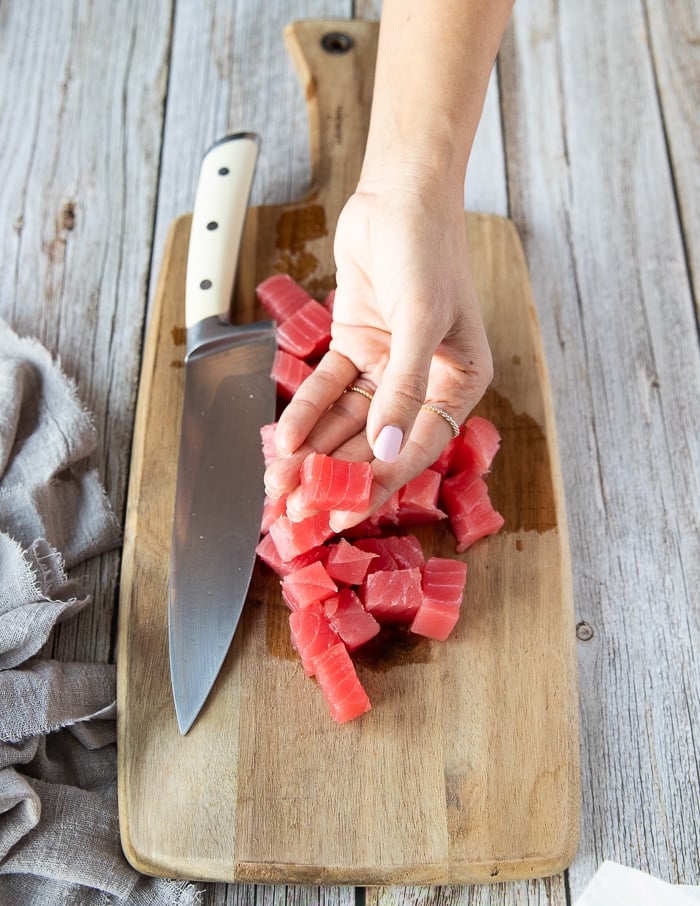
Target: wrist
x=420 y=170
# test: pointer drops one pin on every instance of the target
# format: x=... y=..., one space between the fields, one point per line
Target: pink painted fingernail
x=388 y=443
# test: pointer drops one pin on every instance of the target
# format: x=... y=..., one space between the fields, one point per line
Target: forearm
x=433 y=66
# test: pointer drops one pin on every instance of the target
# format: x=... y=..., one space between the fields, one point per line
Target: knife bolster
x=212 y=335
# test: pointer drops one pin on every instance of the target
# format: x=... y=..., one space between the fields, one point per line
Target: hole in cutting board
x=336 y=42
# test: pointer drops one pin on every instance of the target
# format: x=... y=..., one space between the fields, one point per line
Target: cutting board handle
x=335 y=59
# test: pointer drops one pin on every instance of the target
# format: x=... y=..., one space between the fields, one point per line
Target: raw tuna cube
x=472 y=516
x=308 y=585
x=444 y=460
x=330 y=484
x=340 y=683
x=268 y=553
x=406 y=551
x=387 y=513
x=267 y=435
x=478 y=444
x=349 y=619
x=347 y=563
x=272 y=509
x=313 y=555
x=443 y=591
x=294 y=538
x=280 y=296
x=418 y=499
x=393 y=596
x=435 y=621
x=444 y=580
x=329 y=300
x=307 y=332
x=384 y=560
x=289 y=372
x=375 y=525
x=311 y=634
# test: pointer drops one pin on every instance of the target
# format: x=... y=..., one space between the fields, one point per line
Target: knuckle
x=310 y=407
x=409 y=392
x=322 y=379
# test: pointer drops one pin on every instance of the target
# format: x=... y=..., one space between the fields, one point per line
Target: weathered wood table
x=590 y=141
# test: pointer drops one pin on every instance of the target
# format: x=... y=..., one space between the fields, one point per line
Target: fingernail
x=341 y=520
x=388 y=443
x=294 y=515
x=283 y=452
x=282 y=447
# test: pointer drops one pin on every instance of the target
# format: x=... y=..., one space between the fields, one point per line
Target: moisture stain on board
x=278 y=640
x=179 y=335
x=294 y=229
x=394 y=646
x=299 y=266
x=520 y=484
x=319 y=287
x=297 y=226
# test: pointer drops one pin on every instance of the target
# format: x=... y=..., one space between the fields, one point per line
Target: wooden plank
x=493 y=789
x=545 y=892
x=79 y=156
x=673 y=32
x=486 y=187
x=249 y=762
x=590 y=188
x=276 y=895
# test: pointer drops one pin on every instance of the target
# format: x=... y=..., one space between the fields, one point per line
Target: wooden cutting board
x=466 y=769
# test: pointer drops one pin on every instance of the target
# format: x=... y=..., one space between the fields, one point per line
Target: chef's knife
x=229 y=395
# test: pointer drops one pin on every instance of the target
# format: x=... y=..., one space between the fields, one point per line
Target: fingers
x=452 y=393
x=401 y=390
x=317 y=393
x=339 y=424
x=428 y=438
x=452 y=374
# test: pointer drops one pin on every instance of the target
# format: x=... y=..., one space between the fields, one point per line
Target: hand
x=406 y=328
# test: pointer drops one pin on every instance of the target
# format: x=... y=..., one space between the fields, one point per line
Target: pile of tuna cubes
x=341 y=590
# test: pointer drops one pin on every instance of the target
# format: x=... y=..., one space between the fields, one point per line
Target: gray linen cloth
x=59 y=833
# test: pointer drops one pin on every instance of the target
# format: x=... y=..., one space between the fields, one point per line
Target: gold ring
x=454 y=427
x=359 y=390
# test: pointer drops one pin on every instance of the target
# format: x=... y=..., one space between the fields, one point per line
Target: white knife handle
x=220 y=206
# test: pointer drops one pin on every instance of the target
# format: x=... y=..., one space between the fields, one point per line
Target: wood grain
x=229 y=71
x=265 y=787
x=591 y=185
x=79 y=158
x=125 y=101
x=673 y=31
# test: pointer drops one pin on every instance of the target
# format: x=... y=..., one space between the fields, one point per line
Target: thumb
x=401 y=390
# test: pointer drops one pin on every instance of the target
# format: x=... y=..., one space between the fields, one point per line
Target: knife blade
x=229 y=395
